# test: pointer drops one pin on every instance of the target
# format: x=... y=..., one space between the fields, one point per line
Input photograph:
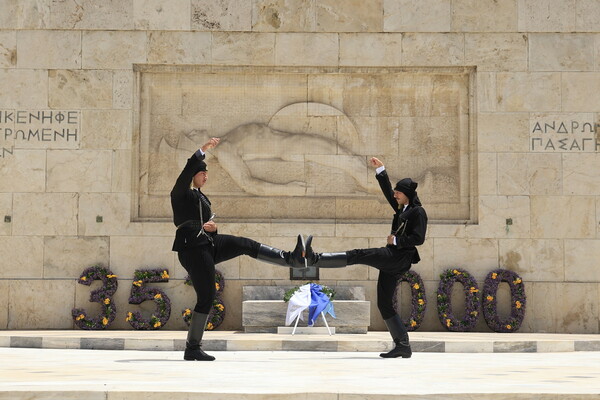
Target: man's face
x=401 y=197
x=200 y=179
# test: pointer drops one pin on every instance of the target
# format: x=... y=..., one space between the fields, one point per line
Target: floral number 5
x=139 y=294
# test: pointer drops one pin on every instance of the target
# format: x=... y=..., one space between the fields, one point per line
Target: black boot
x=193 y=351
x=324 y=260
x=400 y=336
x=293 y=259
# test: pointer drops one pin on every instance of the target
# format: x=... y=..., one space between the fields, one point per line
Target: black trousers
x=391 y=263
x=200 y=262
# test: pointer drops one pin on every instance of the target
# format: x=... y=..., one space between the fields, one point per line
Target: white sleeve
x=380 y=169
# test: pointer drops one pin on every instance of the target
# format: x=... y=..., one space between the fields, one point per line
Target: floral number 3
x=139 y=294
x=103 y=296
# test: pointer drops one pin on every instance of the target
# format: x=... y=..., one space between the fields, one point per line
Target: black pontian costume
x=199 y=251
x=409 y=226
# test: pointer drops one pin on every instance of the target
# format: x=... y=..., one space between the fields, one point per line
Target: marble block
x=353 y=316
x=277 y=292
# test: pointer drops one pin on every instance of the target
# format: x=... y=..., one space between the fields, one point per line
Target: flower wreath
x=102 y=295
x=447 y=318
x=217 y=313
x=517 y=301
x=140 y=294
x=419 y=301
x=324 y=289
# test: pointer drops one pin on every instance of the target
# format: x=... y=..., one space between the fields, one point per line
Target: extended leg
x=324 y=260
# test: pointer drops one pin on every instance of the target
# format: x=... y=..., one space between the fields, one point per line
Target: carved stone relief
x=295 y=142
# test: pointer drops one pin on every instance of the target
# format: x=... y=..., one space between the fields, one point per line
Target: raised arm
x=182 y=184
x=384 y=183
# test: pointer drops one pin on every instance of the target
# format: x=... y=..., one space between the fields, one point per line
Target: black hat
x=407 y=186
x=201 y=166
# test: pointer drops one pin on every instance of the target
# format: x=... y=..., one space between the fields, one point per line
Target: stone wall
x=71 y=134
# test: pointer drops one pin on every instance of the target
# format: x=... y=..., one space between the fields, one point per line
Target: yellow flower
x=421 y=302
x=158 y=296
x=448 y=322
x=80 y=317
x=444 y=315
x=157 y=324
x=473 y=290
x=83 y=278
x=137 y=283
x=413 y=323
x=416 y=286
x=104 y=321
x=494 y=275
x=220 y=307
x=217 y=286
x=209 y=326
x=187 y=311
x=474 y=313
x=518 y=304
x=508 y=327
x=107 y=301
x=111 y=276
x=489 y=298
x=456 y=272
x=129 y=316
x=517 y=281
x=165 y=275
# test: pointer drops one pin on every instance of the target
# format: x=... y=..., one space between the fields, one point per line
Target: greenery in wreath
x=418 y=302
x=324 y=289
x=139 y=294
x=217 y=312
x=517 y=305
x=447 y=280
x=102 y=295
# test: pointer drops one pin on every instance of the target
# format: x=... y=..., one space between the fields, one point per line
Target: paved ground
x=112 y=374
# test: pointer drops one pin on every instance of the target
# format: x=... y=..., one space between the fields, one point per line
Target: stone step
x=439 y=342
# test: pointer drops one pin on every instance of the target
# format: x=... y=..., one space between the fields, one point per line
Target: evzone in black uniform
x=200 y=247
x=408 y=231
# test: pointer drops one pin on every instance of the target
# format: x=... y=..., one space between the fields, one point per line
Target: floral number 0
x=447 y=318
x=419 y=301
x=139 y=294
x=517 y=301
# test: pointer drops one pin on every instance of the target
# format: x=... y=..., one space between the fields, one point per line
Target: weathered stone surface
x=113 y=50
x=579 y=91
x=560 y=52
x=531 y=174
x=496 y=210
x=67 y=256
x=25 y=258
x=535 y=260
x=121 y=175
x=221 y=15
x=496 y=52
x=547 y=15
x=122 y=89
x=522 y=91
x=422 y=16
x=503 y=132
x=88 y=14
x=371 y=49
x=586 y=16
x=128 y=254
x=283 y=16
x=29 y=89
x=581 y=260
x=433 y=49
x=35 y=303
x=243 y=48
x=80 y=89
x=24 y=171
x=106 y=129
x=307 y=49
x=580 y=175
x=478 y=256
x=349 y=16
x=5 y=212
x=562 y=217
x=161 y=15
x=484 y=16
x=49 y=49
x=179 y=47
x=57 y=214
x=114 y=210
x=78 y=170
x=8 y=49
